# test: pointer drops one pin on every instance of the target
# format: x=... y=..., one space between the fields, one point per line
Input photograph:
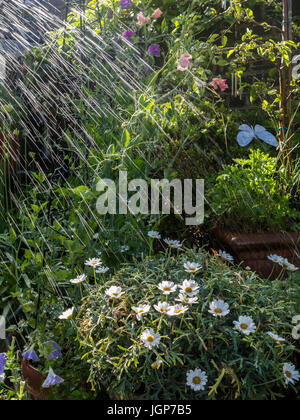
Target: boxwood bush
x=113 y=333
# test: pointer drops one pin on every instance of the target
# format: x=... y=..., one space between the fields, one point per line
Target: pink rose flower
x=142 y=20
x=157 y=14
x=221 y=83
x=184 y=62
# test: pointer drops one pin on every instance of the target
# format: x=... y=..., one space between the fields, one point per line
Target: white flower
x=291 y=267
x=93 y=262
x=225 y=256
x=157 y=364
x=275 y=336
x=245 y=324
x=187 y=300
x=290 y=373
x=162 y=307
x=173 y=243
x=140 y=310
x=167 y=287
x=67 y=314
x=114 y=292
x=191 y=267
x=276 y=258
x=284 y=262
x=79 y=279
x=177 y=310
x=219 y=308
x=153 y=234
x=124 y=248
x=196 y=379
x=150 y=339
x=189 y=288
x=102 y=270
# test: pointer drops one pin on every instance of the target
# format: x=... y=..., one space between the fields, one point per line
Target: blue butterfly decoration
x=247 y=134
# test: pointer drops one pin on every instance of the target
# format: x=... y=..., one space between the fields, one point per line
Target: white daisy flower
x=114 y=292
x=275 y=336
x=196 y=379
x=183 y=298
x=275 y=258
x=191 y=267
x=291 y=267
x=245 y=324
x=79 y=279
x=93 y=262
x=219 y=308
x=225 y=256
x=167 y=287
x=102 y=270
x=177 y=310
x=173 y=243
x=157 y=364
x=124 y=248
x=162 y=307
x=189 y=288
x=150 y=339
x=141 y=310
x=290 y=373
x=67 y=314
x=154 y=234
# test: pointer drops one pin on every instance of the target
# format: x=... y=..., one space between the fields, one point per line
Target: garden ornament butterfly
x=247 y=134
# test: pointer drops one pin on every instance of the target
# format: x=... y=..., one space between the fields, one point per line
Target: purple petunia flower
x=2 y=364
x=56 y=353
x=52 y=379
x=154 y=49
x=31 y=355
x=126 y=4
x=128 y=35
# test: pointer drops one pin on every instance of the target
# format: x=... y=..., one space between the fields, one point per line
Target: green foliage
x=254 y=194
x=237 y=366
x=13 y=387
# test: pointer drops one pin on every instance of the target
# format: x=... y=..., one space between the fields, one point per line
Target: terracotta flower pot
x=9 y=152
x=253 y=250
x=34 y=380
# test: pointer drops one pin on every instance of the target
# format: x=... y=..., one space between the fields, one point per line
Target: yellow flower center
x=141 y=311
x=150 y=339
x=288 y=373
x=188 y=290
x=163 y=309
x=218 y=311
x=167 y=289
x=178 y=311
x=192 y=269
x=197 y=380
x=244 y=326
x=69 y=316
x=115 y=294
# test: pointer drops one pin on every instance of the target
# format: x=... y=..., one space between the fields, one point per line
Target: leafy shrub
x=238 y=366
x=254 y=194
